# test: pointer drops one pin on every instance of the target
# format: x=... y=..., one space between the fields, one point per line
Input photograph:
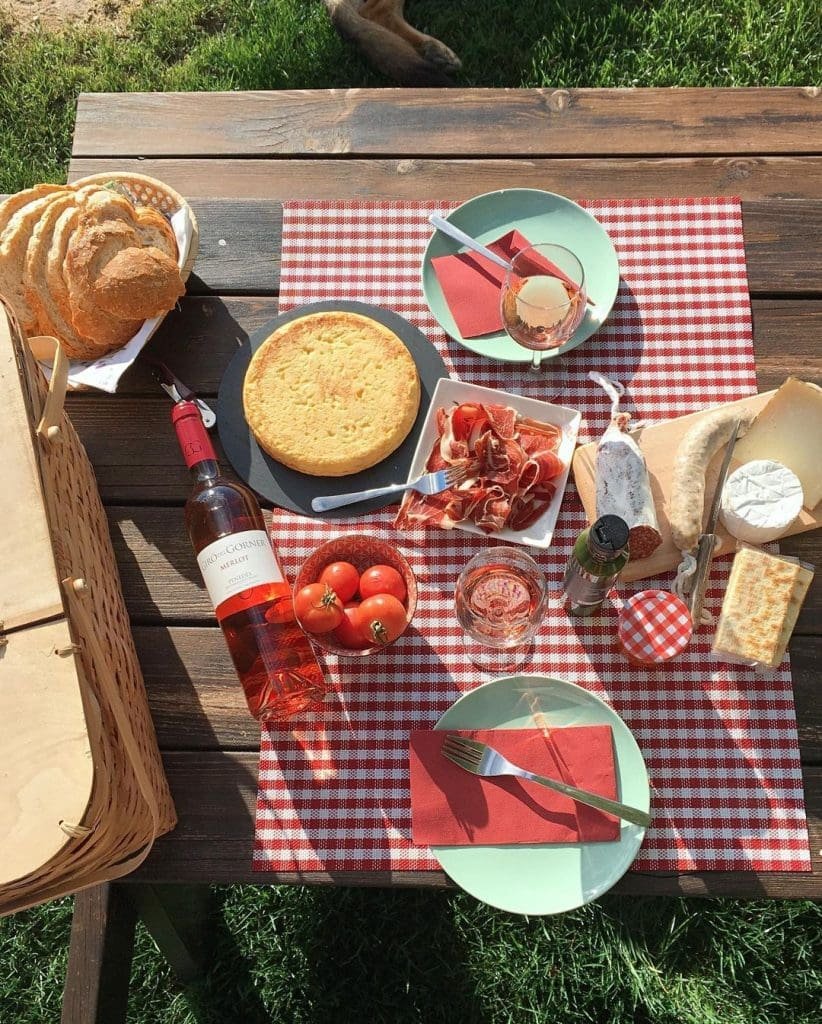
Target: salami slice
x=622 y=483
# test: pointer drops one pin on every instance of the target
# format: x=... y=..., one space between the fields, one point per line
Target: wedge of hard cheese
x=788 y=430
x=760 y=608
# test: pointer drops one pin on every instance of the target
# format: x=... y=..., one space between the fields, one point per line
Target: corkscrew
x=177 y=391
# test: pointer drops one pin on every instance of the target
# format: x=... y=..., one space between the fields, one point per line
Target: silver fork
x=428 y=483
x=480 y=759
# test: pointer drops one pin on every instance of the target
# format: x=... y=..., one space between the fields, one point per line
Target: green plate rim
x=513 y=353
x=542 y=858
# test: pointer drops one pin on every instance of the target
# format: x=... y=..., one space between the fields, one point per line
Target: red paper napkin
x=451 y=807
x=471 y=285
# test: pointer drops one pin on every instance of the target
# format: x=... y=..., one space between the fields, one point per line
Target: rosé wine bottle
x=252 y=600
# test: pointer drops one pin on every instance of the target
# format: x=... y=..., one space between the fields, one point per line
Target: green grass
x=319 y=956
x=309 y=956
x=280 y=44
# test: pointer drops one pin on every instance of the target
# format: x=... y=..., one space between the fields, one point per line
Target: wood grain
x=749 y=176
x=486 y=122
x=161 y=580
x=241 y=243
x=200 y=337
x=216 y=794
x=197 y=704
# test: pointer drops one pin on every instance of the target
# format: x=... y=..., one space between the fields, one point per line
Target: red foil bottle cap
x=195 y=443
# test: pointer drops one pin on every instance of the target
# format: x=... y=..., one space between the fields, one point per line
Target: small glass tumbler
x=501 y=597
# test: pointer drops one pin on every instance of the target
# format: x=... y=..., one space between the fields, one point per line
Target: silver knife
x=708 y=540
x=177 y=391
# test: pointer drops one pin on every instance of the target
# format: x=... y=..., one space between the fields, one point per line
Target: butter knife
x=709 y=540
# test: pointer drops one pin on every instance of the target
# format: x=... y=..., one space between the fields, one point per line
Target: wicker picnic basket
x=82 y=789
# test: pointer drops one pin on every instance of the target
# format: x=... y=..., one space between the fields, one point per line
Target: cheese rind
x=760 y=500
x=788 y=430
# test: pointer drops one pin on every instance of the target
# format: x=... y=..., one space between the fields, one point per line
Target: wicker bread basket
x=147 y=191
x=82 y=789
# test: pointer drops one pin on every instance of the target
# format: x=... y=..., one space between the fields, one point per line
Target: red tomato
x=382 y=579
x=343 y=579
x=318 y=608
x=382 y=618
x=348 y=632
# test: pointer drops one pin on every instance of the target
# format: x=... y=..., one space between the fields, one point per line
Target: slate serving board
x=288 y=488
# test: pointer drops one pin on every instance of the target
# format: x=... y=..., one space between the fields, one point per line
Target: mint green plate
x=550 y=878
x=540 y=217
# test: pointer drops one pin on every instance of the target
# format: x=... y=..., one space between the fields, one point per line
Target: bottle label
x=236 y=563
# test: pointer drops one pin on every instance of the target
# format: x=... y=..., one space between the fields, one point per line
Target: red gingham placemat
x=720 y=742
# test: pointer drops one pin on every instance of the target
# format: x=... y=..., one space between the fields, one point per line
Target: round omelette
x=331 y=393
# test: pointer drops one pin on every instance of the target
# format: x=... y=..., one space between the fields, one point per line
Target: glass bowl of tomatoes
x=355 y=595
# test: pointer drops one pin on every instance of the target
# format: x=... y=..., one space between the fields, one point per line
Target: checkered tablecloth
x=720 y=742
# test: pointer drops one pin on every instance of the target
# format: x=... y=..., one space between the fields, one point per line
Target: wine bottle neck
x=193 y=438
x=205 y=471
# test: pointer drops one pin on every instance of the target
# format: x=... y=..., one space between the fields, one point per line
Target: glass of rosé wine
x=543 y=299
x=501 y=596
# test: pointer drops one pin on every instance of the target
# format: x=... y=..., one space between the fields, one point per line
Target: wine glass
x=501 y=596
x=543 y=299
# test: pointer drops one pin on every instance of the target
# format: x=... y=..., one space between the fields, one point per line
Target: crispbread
x=13 y=245
x=331 y=393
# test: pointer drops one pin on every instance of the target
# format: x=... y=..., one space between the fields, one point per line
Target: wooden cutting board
x=658 y=444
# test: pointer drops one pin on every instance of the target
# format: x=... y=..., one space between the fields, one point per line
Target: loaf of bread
x=86 y=265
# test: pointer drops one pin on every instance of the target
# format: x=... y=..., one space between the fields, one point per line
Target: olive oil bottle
x=599 y=556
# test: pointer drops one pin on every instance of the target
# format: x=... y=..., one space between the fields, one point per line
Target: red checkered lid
x=654 y=626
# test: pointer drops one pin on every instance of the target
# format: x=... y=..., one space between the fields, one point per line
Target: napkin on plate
x=471 y=285
x=451 y=807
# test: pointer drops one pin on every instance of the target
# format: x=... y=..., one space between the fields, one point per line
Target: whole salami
x=622 y=482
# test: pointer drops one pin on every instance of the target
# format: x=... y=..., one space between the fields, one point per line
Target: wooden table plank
x=216 y=795
x=750 y=176
x=161 y=580
x=131 y=443
x=240 y=245
x=418 y=122
x=197 y=704
x=786 y=340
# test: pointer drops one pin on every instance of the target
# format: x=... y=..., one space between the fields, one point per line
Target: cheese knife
x=709 y=540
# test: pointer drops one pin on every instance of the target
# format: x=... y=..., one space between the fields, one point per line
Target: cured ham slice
x=510 y=463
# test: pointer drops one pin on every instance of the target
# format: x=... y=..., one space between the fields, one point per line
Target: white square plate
x=454 y=392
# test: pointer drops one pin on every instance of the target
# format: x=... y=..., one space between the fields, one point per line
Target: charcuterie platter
x=659 y=443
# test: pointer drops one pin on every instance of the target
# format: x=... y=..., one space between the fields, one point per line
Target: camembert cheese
x=788 y=430
x=760 y=500
x=760 y=608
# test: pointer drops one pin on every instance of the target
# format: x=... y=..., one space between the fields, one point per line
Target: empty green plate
x=546 y=878
x=540 y=217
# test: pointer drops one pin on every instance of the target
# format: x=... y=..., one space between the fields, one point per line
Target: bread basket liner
x=129 y=803
x=105 y=373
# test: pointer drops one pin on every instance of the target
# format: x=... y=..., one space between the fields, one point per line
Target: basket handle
x=44 y=347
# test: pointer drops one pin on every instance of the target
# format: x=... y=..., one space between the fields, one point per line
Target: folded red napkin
x=451 y=807
x=471 y=285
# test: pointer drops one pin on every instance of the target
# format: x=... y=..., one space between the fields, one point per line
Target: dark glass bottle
x=599 y=556
x=252 y=600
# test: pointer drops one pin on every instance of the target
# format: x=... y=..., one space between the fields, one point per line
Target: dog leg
x=391 y=53
x=391 y=15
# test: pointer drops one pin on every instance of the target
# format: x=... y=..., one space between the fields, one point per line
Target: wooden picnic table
x=236 y=157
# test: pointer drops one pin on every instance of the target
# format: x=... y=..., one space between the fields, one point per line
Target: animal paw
x=438 y=55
